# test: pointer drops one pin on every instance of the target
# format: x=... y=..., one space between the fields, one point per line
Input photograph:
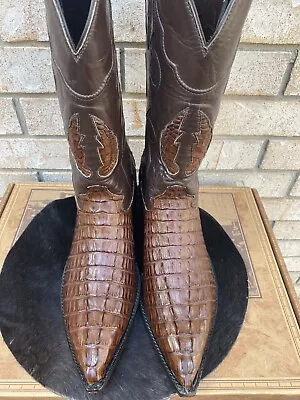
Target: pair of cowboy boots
x=191 y=45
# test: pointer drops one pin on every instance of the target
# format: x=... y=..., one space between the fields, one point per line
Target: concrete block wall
x=256 y=141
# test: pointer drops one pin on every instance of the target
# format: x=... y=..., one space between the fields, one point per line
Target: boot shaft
x=86 y=76
x=191 y=46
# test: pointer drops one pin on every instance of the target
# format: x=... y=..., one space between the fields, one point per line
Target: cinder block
x=295 y=276
x=258 y=117
x=287 y=230
x=282 y=154
x=135 y=71
x=42 y=116
x=292 y=263
x=56 y=176
x=272 y=21
x=258 y=72
x=296 y=188
x=282 y=209
x=129 y=20
x=25 y=69
x=23 y=20
x=134 y=114
x=137 y=147
x=290 y=248
x=9 y=123
x=293 y=88
x=232 y=154
x=34 y=153
x=268 y=184
x=7 y=177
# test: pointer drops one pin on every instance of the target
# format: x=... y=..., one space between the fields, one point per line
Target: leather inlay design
x=179 y=286
x=171 y=142
x=100 y=281
x=76 y=139
x=202 y=142
x=108 y=150
x=177 y=144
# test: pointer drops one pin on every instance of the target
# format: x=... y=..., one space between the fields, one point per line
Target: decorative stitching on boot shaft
x=108 y=149
x=76 y=139
x=181 y=151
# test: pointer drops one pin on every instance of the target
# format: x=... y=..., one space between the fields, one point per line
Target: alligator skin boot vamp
x=100 y=285
x=191 y=48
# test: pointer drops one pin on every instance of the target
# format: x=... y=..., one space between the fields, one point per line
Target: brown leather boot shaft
x=187 y=75
x=88 y=90
x=191 y=47
x=100 y=280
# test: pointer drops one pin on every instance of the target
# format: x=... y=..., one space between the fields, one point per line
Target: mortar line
x=20 y=116
x=28 y=95
x=292 y=184
x=21 y=170
x=280 y=198
x=262 y=153
x=122 y=70
x=288 y=73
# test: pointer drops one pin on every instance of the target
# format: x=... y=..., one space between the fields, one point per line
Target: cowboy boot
x=100 y=287
x=191 y=47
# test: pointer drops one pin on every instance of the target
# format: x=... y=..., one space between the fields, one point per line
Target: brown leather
x=191 y=47
x=179 y=286
x=100 y=282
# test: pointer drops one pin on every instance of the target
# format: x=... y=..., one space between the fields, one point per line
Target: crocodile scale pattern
x=178 y=284
x=100 y=281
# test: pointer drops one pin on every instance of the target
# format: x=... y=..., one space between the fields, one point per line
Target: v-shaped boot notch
x=210 y=13
x=75 y=13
